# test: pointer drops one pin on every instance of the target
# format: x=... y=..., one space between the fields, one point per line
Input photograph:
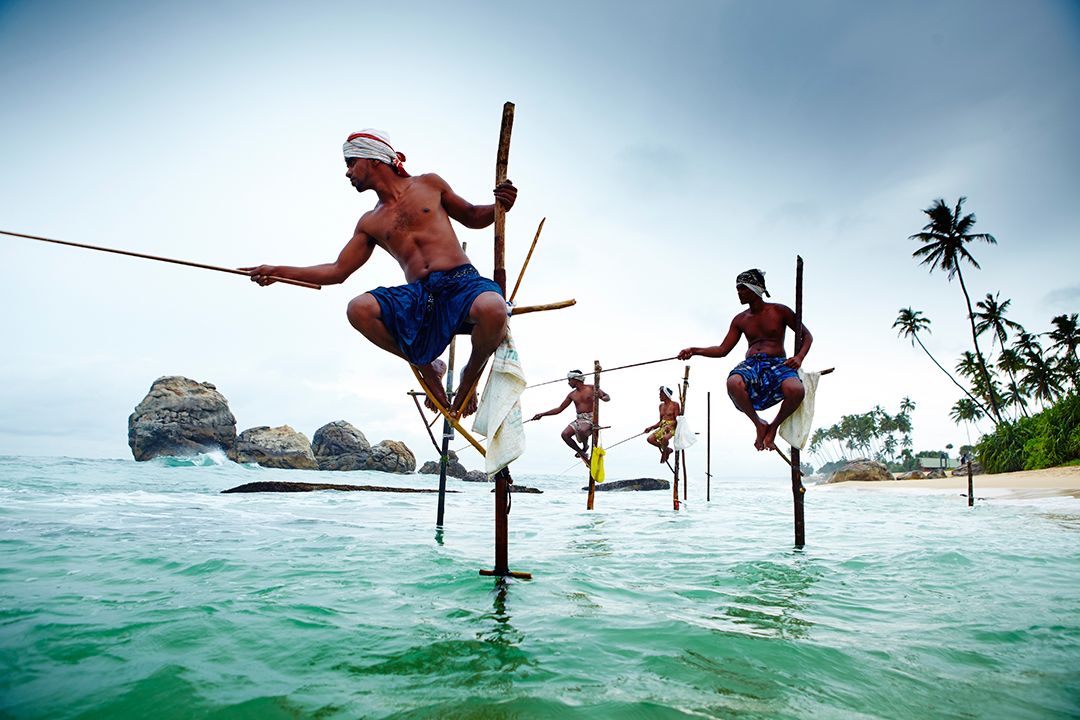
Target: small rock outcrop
x=976 y=469
x=392 y=456
x=861 y=470
x=284 y=487
x=454 y=468
x=912 y=475
x=340 y=446
x=477 y=476
x=280 y=447
x=631 y=485
x=180 y=417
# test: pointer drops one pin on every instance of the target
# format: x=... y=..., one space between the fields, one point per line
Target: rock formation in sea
x=341 y=446
x=454 y=468
x=630 y=485
x=861 y=470
x=280 y=447
x=180 y=417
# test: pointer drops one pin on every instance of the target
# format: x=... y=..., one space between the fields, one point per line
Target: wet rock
x=180 y=417
x=862 y=471
x=391 y=456
x=340 y=446
x=631 y=485
x=912 y=475
x=523 y=489
x=454 y=468
x=280 y=447
x=976 y=469
x=477 y=476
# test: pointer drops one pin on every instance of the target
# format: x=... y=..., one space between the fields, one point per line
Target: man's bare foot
x=470 y=406
x=770 y=438
x=665 y=453
x=440 y=369
x=433 y=381
x=759 y=441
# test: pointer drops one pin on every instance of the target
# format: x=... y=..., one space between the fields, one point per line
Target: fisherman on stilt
x=446 y=295
x=767 y=376
x=581 y=395
x=663 y=430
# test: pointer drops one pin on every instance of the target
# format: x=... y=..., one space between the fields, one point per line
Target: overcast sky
x=669 y=145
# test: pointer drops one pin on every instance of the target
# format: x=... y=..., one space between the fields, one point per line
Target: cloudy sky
x=669 y=146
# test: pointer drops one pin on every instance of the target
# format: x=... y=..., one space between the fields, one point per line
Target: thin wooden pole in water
x=971 y=486
x=447 y=433
x=595 y=431
x=798 y=492
x=682 y=400
x=708 y=446
x=675 y=471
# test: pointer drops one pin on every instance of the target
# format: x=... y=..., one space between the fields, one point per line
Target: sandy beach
x=1027 y=483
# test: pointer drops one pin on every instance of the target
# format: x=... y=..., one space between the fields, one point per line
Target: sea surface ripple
x=138 y=590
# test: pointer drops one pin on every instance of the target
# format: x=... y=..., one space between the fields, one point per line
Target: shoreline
x=1023 y=484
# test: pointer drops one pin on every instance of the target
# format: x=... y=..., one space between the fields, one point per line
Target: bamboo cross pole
x=595 y=431
x=526 y=309
x=798 y=492
x=158 y=258
x=528 y=257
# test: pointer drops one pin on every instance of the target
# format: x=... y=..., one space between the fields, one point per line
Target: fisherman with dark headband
x=767 y=376
x=445 y=295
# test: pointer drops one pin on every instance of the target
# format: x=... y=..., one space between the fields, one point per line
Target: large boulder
x=340 y=446
x=280 y=447
x=976 y=469
x=478 y=476
x=454 y=468
x=862 y=471
x=180 y=417
x=391 y=456
x=631 y=485
x=912 y=475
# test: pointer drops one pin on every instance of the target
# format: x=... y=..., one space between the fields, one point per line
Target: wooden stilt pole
x=682 y=401
x=502 y=478
x=708 y=447
x=971 y=486
x=595 y=431
x=447 y=434
x=798 y=492
x=675 y=470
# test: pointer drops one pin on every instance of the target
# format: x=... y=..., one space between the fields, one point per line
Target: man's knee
x=736 y=384
x=793 y=389
x=488 y=310
x=362 y=311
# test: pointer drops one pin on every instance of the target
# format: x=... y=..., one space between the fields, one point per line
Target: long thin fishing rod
x=609 y=447
x=621 y=367
x=144 y=256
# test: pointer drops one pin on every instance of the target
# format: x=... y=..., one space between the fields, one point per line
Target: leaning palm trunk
x=949 y=375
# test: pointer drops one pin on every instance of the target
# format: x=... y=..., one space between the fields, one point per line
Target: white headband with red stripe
x=372 y=144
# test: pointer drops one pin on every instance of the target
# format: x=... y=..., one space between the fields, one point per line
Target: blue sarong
x=424 y=315
x=763 y=375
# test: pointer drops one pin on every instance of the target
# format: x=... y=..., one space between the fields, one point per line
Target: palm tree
x=1066 y=337
x=1042 y=380
x=911 y=323
x=965 y=411
x=993 y=318
x=944 y=239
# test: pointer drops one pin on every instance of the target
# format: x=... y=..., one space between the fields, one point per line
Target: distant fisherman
x=664 y=429
x=446 y=296
x=581 y=395
x=766 y=377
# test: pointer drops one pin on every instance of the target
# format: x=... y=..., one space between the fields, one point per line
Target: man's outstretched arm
x=475 y=216
x=727 y=345
x=355 y=253
x=553 y=411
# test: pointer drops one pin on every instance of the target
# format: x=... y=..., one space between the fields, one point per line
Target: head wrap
x=753 y=280
x=372 y=144
x=667 y=391
x=575 y=375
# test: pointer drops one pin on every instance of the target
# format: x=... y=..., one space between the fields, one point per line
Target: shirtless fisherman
x=766 y=377
x=664 y=429
x=581 y=427
x=445 y=296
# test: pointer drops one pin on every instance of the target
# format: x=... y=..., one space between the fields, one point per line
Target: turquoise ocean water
x=138 y=590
